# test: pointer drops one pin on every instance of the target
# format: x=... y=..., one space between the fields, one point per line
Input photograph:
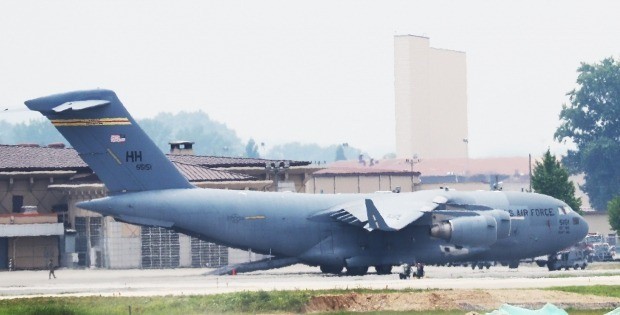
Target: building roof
x=27 y=157
x=486 y=166
x=33 y=158
x=220 y=161
x=197 y=173
x=439 y=167
x=362 y=171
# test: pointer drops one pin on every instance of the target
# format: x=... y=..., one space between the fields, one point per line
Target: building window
x=18 y=203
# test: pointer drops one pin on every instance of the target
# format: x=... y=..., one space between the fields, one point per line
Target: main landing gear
x=357 y=271
x=336 y=270
x=383 y=269
x=352 y=271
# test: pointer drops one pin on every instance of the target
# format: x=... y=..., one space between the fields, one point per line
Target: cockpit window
x=564 y=210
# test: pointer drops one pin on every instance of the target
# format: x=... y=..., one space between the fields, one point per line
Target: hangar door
x=205 y=254
x=160 y=248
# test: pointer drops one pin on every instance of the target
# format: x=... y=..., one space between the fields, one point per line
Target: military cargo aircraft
x=333 y=231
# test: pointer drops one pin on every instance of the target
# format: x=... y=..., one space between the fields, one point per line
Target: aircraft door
x=542 y=224
x=4 y=253
x=518 y=228
x=326 y=239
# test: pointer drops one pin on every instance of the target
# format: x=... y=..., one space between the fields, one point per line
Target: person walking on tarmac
x=419 y=270
x=51 y=267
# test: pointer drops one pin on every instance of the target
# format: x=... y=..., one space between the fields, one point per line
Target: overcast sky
x=309 y=71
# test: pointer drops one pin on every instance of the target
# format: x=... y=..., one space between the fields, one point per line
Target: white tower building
x=431 y=100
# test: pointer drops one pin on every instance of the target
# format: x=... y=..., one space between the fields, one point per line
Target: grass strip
x=239 y=302
x=601 y=290
x=248 y=302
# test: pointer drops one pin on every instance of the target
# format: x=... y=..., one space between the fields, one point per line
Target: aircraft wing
x=385 y=214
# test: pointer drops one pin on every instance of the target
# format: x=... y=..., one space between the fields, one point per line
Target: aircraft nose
x=581 y=226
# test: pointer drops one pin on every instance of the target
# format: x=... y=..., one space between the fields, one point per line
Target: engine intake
x=467 y=231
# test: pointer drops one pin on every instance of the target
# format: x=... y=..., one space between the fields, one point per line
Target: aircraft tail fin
x=110 y=141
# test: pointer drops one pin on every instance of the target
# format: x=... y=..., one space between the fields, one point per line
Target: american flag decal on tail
x=117 y=138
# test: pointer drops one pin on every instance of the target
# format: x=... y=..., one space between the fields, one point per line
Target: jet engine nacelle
x=480 y=230
x=467 y=231
x=502 y=219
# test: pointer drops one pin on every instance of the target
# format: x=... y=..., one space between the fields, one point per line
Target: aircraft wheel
x=583 y=266
x=331 y=269
x=357 y=271
x=383 y=269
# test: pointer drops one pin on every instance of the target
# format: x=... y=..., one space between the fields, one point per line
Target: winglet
x=375 y=220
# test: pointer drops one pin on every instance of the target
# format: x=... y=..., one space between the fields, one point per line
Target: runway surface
x=17 y=284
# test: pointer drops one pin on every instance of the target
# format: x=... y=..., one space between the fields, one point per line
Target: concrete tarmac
x=103 y=282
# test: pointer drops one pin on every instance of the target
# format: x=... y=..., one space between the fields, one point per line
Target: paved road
x=193 y=281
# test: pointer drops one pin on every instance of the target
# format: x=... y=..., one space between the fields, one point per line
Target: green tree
x=37 y=131
x=251 y=149
x=613 y=210
x=308 y=152
x=592 y=122
x=340 y=154
x=211 y=137
x=550 y=178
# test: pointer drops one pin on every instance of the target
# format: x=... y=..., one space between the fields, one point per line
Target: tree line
x=591 y=121
x=210 y=137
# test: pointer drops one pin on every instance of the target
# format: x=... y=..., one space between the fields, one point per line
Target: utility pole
x=530 y=167
x=415 y=159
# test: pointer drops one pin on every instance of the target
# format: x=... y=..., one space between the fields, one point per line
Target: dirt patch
x=466 y=300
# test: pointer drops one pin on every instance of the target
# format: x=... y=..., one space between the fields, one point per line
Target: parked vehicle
x=602 y=252
x=573 y=258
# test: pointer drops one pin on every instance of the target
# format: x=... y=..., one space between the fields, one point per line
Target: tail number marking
x=136 y=157
x=133 y=156
x=144 y=167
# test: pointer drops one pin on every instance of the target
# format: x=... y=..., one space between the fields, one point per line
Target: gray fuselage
x=282 y=224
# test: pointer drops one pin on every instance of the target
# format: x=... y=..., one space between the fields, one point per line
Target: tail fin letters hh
x=108 y=139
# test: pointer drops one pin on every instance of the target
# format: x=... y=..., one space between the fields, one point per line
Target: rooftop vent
x=181 y=147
